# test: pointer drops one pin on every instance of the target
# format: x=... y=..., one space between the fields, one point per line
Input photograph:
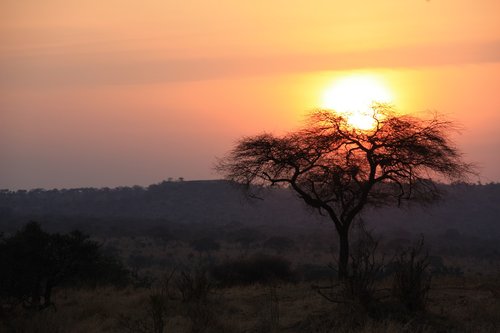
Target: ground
x=466 y=304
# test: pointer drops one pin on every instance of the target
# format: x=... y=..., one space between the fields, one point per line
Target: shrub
x=257 y=269
x=437 y=267
x=194 y=286
x=153 y=317
x=34 y=262
x=151 y=320
x=364 y=270
x=279 y=244
x=311 y=272
x=246 y=237
x=205 y=244
x=357 y=289
x=412 y=279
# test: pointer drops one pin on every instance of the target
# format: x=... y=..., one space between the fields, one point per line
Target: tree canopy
x=339 y=169
x=34 y=262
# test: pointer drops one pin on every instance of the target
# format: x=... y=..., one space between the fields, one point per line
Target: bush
x=151 y=318
x=364 y=270
x=437 y=267
x=246 y=237
x=412 y=279
x=279 y=244
x=257 y=269
x=358 y=290
x=34 y=262
x=195 y=286
x=311 y=272
x=205 y=244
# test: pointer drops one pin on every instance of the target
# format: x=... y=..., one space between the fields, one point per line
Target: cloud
x=118 y=67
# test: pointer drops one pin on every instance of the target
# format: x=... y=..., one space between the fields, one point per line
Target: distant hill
x=470 y=209
x=208 y=202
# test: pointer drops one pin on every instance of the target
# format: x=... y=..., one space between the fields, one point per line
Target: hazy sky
x=109 y=93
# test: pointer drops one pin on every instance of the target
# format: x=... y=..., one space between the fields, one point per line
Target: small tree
x=339 y=170
x=34 y=262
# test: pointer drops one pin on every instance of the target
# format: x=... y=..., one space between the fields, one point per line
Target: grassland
x=454 y=305
x=463 y=299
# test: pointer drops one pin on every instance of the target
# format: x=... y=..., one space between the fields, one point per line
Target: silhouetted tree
x=339 y=169
x=34 y=262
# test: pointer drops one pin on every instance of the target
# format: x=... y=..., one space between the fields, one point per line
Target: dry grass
x=458 y=304
x=455 y=305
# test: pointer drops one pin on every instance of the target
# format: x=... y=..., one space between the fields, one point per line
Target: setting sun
x=354 y=97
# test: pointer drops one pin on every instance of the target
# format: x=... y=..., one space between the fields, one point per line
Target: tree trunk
x=35 y=294
x=47 y=295
x=343 y=253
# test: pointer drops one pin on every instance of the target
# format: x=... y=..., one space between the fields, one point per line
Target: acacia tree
x=34 y=262
x=339 y=170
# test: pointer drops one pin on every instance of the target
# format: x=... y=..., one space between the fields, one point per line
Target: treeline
x=177 y=201
x=472 y=210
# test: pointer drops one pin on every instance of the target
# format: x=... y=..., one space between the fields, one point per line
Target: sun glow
x=354 y=96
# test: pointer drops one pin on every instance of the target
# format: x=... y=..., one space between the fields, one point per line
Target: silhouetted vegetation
x=205 y=244
x=34 y=263
x=358 y=290
x=279 y=244
x=256 y=269
x=339 y=170
x=237 y=292
x=412 y=278
x=194 y=286
x=152 y=318
x=363 y=271
x=163 y=212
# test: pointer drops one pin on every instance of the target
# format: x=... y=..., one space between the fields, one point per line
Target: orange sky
x=108 y=93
